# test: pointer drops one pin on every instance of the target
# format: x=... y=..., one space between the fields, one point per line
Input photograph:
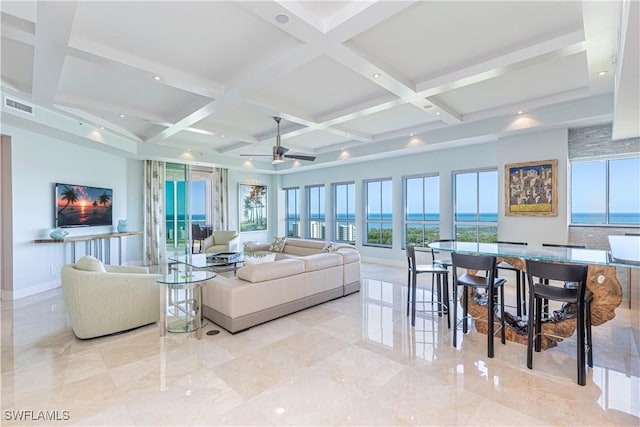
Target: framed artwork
x=530 y=189
x=253 y=207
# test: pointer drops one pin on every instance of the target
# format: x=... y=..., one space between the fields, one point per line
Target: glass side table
x=184 y=303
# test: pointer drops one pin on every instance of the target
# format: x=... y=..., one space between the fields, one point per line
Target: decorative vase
x=123 y=226
x=58 y=234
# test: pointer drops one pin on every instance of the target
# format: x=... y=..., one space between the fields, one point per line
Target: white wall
x=38 y=161
x=548 y=145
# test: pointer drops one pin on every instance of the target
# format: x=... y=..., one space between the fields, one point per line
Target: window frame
x=308 y=212
x=288 y=219
x=335 y=221
x=478 y=224
x=424 y=222
x=607 y=184
x=365 y=206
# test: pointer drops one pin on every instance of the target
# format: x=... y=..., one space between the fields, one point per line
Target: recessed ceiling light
x=156 y=77
x=376 y=75
x=602 y=73
x=121 y=115
x=437 y=113
x=411 y=134
x=101 y=127
x=282 y=18
x=222 y=135
x=188 y=150
x=520 y=112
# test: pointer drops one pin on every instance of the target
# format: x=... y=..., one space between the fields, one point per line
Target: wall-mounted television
x=82 y=206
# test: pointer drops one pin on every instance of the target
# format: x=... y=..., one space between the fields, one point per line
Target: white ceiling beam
x=55 y=20
x=627 y=90
x=75 y=101
x=568 y=44
x=244 y=83
x=358 y=16
x=132 y=65
x=529 y=105
x=17 y=29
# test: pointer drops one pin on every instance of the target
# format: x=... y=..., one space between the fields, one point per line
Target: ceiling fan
x=279 y=151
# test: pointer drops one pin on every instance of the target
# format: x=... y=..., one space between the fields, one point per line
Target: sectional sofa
x=305 y=273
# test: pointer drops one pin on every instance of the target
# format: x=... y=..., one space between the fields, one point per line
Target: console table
x=101 y=247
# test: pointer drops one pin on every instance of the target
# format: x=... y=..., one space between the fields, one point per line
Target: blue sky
x=588 y=181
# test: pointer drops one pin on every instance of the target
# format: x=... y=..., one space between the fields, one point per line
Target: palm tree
x=70 y=195
x=104 y=199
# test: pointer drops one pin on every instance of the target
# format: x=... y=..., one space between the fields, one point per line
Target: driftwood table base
x=607 y=295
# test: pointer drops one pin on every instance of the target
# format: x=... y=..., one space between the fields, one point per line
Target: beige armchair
x=221 y=241
x=116 y=299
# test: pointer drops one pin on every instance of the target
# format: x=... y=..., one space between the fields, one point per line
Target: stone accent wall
x=595 y=142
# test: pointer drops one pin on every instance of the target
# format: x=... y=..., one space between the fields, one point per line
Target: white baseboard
x=384 y=261
x=32 y=290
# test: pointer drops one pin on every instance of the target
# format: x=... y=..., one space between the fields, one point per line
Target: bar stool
x=521 y=281
x=446 y=262
x=539 y=275
x=488 y=282
x=440 y=273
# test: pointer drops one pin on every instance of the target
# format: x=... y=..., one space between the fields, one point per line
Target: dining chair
x=442 y=275
x=629 y=273
x=481 y=264
x=545 y=306
x=521 y=305
x=199 y=234
x=540 y=274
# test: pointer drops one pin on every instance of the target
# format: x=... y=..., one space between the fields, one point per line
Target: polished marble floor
x=352 y=361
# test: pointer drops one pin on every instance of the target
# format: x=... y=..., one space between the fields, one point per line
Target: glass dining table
x=601 y=280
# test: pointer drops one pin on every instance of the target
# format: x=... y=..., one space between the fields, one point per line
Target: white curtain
x=220 y=220
x=154 y=224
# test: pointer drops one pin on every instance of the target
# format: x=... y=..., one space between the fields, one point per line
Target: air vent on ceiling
x=18 y=105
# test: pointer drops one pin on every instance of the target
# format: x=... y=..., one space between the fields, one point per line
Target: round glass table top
x=185 y=276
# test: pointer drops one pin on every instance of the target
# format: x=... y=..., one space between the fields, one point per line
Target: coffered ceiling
x=201 y=81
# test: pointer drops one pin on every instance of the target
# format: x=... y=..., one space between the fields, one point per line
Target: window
x=378 y=219
x=188 y=194
x=344 y=203
x=475 y=212
x=606 y=192
x=315 y=212
x=292 y=215
x=422 y=209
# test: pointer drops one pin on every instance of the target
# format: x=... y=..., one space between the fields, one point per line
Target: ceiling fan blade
x=279 y=149
x=300 y=157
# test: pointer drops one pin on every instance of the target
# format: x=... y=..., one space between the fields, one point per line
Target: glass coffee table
x=209 y=262
x=184 y=303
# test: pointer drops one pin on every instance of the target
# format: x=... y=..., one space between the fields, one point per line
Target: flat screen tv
x=83 y=206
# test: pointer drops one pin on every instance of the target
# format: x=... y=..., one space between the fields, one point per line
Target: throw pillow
x=251 y=260
x=329 y=247
x=278 y=244
x=89 y=263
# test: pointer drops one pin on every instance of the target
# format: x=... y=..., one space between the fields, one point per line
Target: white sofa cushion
x=90 y=263
x=263 y=272
x=259 y=259
x=321 y=261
